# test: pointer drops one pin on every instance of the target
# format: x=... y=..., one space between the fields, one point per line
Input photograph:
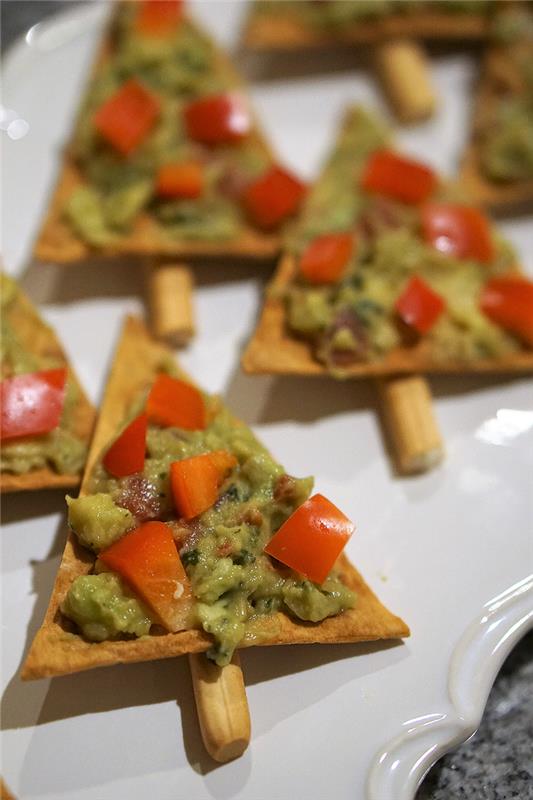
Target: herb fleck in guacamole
x=234 y=583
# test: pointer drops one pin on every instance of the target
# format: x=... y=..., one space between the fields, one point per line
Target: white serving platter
x=450 y=551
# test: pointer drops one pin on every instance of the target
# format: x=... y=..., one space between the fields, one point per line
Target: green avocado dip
x=353 y=319
x=118 y=190
x=234 y=583
x=335 y=14
x=505 y=125
x=61 y=449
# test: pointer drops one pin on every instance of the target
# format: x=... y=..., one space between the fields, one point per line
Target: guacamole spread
x=170 y=70
x=61 y=449
x=505 y=130
x=354 y=317
x=234 y=582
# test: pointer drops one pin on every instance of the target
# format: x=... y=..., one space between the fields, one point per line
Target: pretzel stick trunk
x=410 y=422
x=404 y=72
x=222 y=706
x=169 y=290
x=219 y=692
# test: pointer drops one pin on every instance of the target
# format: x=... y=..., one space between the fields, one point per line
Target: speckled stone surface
x=497 y=762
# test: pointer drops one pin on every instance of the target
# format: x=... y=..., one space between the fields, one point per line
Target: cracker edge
x=55 y=651
x=286 y=33
x=502 y=197
x=41 y=339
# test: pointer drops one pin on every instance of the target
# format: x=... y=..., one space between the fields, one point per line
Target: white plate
x=449 y=551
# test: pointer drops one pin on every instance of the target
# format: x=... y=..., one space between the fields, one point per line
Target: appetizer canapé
x=498 y=167
x=302 y=23
x=188 y=536
x=46 y=420
x=391 y=269
x=166 y=157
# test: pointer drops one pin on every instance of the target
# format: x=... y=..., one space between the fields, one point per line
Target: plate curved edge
x=399 y=767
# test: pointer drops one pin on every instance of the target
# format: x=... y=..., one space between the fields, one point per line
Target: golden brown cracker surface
x=285 y=31
x=56 y=650
x=39 y=338
x=5 y=794
x=273 y=349
x=57 y=242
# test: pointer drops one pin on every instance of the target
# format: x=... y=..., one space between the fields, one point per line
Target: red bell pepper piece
x=218 y=119
x=183 y=180
x=32 y=404
x=147 y=559
x=175 y=403
x=311 y=540
x=127 y=118
x=196 y=481
x=508 y=302
x=459 y=231
x=398 y=177
x=419 y=306
x=325 y=258
x=159 y=17
x=126 y=454
x=272 y=198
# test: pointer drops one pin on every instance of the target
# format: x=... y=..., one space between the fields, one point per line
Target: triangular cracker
x=57 y=651
x=273 y=349
x=41 y=340
x=58 y=242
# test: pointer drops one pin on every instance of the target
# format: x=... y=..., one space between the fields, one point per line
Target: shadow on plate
x=48 y=283
x=126 y=687
x=282 y=65
x=16 y=508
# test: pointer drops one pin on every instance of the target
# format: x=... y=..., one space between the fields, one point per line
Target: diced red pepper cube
x=32 y=404
x=312 y=539
x=147 y=559
x=175 y=403
x=159 y=17
x=272 y=198
x=196 y=481
x=180 y=180
x=126 y=454
x=218 y=119
x=458 y=231
x=508 y=301
x=324 y=259
x=419 y=306
x=126 y=119
x=396 y=176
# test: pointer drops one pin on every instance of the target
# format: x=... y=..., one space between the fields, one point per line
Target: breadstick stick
x=222 y=706
x=170 y=289
x=409 y=418
x=403 y=69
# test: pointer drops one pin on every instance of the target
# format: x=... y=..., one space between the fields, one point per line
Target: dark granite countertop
x=497 y=762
